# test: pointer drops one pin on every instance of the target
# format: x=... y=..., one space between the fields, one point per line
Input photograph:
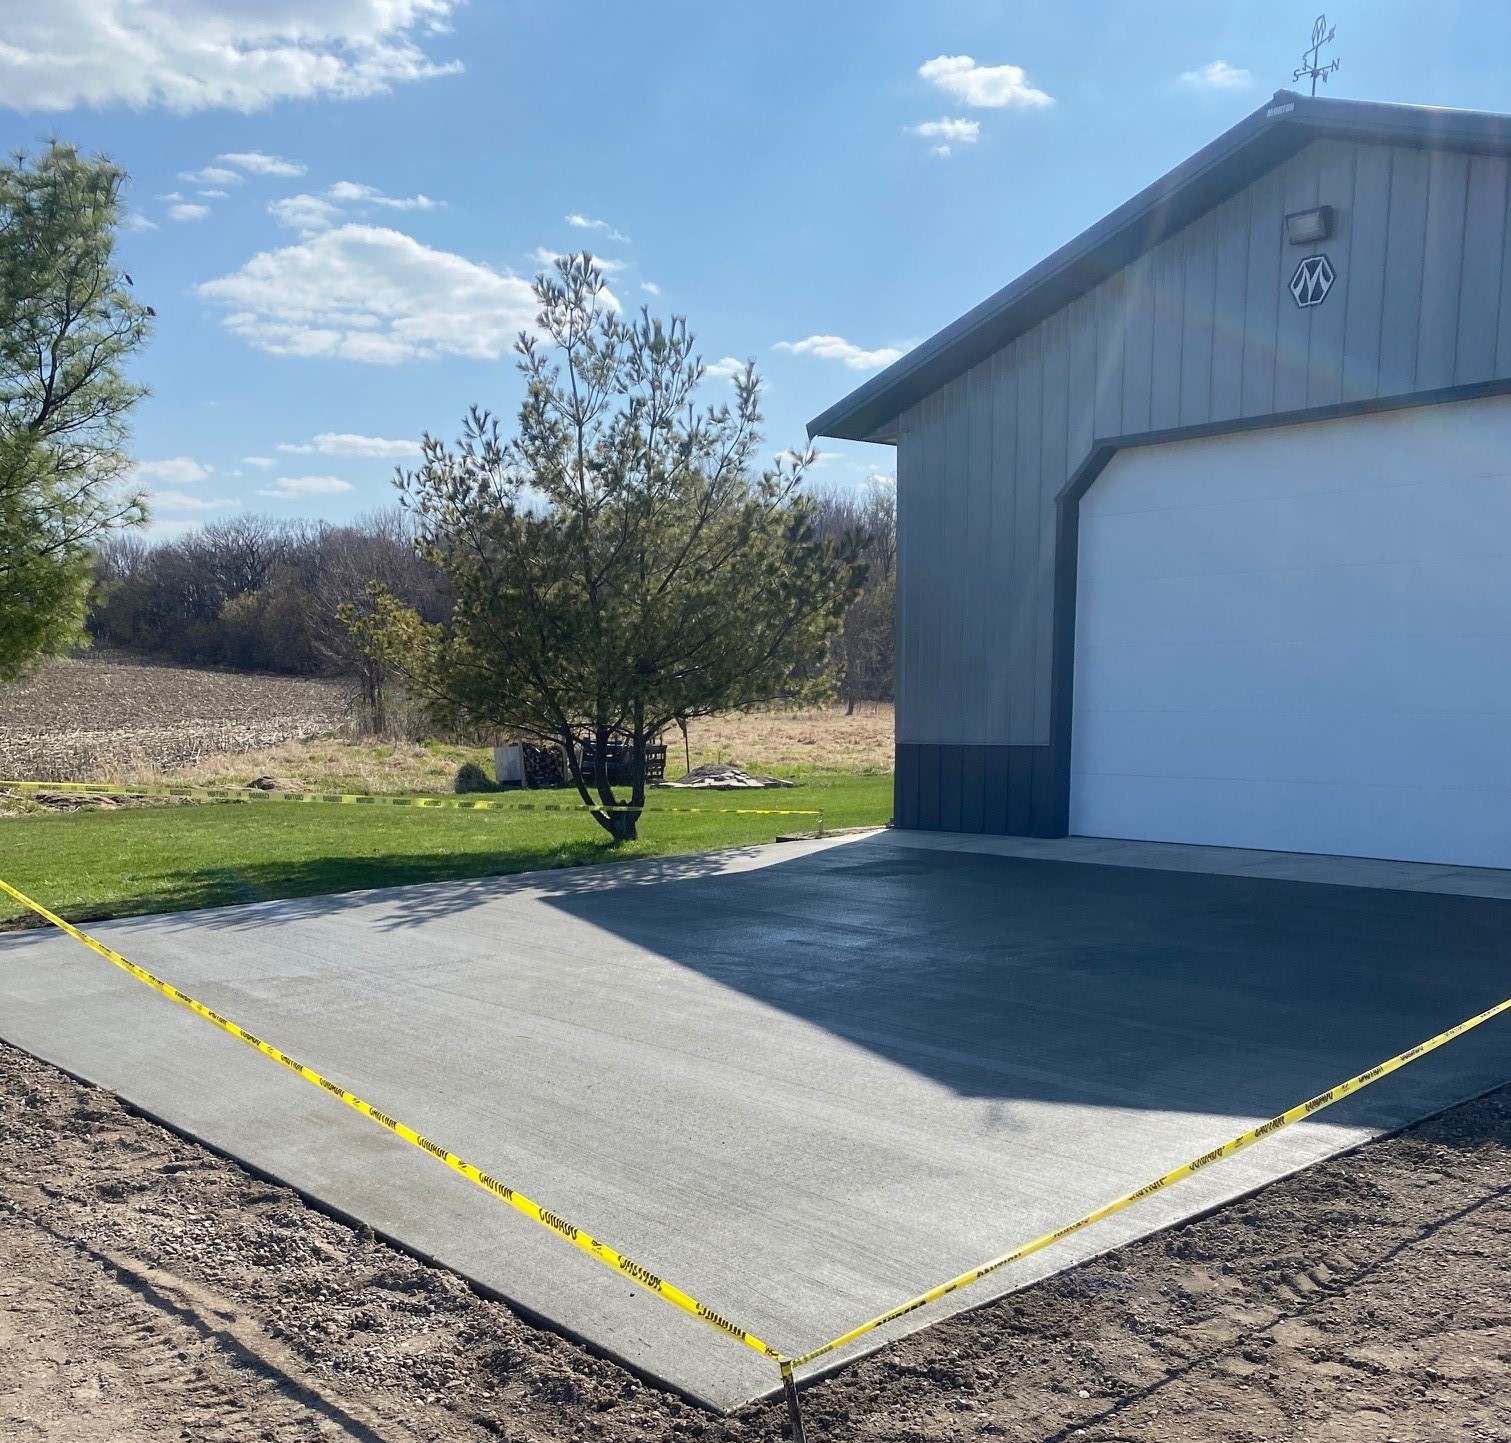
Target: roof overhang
x=1277 y=130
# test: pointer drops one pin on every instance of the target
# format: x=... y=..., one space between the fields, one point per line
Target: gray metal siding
x=1364 y=300
x=1201 y=330
x=1480 y=282
x=1405 y=237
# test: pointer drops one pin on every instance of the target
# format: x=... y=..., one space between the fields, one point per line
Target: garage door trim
x=1067 y=547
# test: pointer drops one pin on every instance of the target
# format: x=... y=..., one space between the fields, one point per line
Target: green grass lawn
x=90 y=865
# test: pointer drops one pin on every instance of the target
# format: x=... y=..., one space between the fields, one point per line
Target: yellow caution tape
x=655 y=1284
x=239 y=794
x=621 y=1264
x=1237 y=1144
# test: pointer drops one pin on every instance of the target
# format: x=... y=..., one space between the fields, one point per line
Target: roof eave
x=1279 y=128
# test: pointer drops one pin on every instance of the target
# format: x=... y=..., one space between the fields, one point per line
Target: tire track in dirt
x=93 y=1346
x=150 y=1289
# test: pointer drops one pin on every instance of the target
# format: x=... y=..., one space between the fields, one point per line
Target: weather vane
x=1321 y=35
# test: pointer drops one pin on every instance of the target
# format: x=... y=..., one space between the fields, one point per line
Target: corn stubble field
x=109 y=717
x=102 y=717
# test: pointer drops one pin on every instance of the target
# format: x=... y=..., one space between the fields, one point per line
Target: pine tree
x=622 y=563
x=67 y=326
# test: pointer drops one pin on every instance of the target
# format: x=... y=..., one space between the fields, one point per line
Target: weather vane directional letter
x=1321 y=35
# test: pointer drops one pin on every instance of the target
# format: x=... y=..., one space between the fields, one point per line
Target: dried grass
x=817 y=739
x=329 y=764
x=108 y=717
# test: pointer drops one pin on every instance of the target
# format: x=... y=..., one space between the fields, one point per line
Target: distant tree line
x=864 y=651
x=258 y=594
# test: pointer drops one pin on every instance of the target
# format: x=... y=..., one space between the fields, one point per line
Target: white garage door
x=1300 y=638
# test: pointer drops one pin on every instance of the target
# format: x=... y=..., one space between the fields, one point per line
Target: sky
x=336 y=206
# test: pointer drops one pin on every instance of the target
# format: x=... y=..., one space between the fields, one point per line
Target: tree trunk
x=610 y=821
x=626 y=821
x=621 y=825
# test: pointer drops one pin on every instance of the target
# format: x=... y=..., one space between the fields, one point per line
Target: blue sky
x=815 y=185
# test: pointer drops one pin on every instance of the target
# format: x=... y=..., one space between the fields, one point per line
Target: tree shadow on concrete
x=1011 y=977
x=411 y=890
x=1002 y=977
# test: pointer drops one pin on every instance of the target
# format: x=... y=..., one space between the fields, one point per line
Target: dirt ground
x=152 y=1290
x=110 y=716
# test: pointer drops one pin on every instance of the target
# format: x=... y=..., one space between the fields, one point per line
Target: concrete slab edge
x=632 y=872
x=1304 y=868
x=844 y=1360
x=349 y=1219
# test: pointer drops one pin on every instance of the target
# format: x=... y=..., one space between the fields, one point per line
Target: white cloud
x=258 y=461
x=211 y=175
x=966 y=132
x=183 y=501
x=176 y=470
x=949 y=133
x=544 y=256
x=294 y=488
x=213 y=194
x=1217 y=75
x=650 y=288
x=582 y=222
x=727 y=368
x=987 y=87
x=306 y=214
x=138 y=222
x=255 y=162
x=837 y=348
x=351 y=191
x=348 y=443
x=366 y=293
x=193 y=54
x=187 y=210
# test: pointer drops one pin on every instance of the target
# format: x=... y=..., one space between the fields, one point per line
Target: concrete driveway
x=802 y=1082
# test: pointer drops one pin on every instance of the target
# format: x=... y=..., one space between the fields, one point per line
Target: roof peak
x=1273 y=132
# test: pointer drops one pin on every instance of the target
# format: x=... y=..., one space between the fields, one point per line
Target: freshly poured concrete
x=802 y=1083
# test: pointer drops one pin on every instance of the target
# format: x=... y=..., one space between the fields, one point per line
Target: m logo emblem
x=1313 y=280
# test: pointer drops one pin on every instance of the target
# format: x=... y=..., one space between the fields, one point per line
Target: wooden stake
x=794 y=1407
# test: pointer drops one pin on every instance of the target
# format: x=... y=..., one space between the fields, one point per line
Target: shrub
x=472 y=778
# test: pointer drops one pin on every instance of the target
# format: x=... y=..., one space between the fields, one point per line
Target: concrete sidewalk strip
x=805 y=1081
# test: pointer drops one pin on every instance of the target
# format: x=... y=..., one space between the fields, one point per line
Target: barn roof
x=1277 y=130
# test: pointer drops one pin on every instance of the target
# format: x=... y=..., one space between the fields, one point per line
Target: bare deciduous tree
x=864 y=650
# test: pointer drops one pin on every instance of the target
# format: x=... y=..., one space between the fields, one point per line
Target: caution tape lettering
x=560 y=1224
x=640 y=1275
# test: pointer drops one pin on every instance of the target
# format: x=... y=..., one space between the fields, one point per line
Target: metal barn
x=1205 y=521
